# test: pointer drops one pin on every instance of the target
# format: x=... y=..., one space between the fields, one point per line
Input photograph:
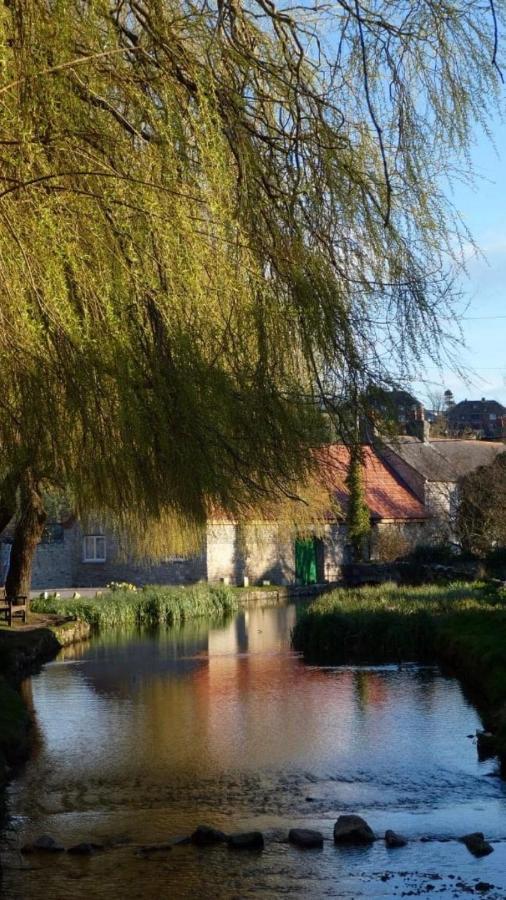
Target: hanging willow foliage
x=211 y=214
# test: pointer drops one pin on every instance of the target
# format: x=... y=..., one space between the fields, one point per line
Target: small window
x=492 y=417
x=94 y=548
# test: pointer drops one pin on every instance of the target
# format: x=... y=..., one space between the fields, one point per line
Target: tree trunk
x=8 y=499
x=27 y=535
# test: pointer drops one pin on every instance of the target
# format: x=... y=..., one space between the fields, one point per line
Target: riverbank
x=155 y=605
x=459 y=625
x=22 y=651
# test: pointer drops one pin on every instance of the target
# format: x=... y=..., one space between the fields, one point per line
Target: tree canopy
x=212 y=217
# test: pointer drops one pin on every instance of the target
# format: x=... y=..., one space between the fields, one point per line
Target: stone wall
x=53 y=563
x=267 y=552
x=442 y=500
x=260 y=552
x=336 y=551
x=391 y=540
x=119 y=567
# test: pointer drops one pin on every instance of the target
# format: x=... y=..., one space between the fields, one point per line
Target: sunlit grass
x=390 y=623
x=149 y=606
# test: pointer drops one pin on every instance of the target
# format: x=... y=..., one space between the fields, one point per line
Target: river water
x=141 y=737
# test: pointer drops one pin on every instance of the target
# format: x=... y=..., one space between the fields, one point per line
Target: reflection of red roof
x=386 y=495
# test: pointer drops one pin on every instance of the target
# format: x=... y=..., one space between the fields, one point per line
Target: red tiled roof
x=387 y=496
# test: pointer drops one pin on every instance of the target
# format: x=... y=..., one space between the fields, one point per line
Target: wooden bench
x=14 y=607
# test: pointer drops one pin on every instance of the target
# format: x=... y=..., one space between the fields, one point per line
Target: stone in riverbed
x=476 y=844
x=85 y=848
x=352 y=830
x=486 y=745
x=180 y=840
x=147 y=851
x=44 y=844
x=205 y=836
x=392 y=839
x=248 y=840
x=305 y=837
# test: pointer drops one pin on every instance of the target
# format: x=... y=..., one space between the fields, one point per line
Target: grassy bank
x=149 y=606
x=462 y=625
x=387 y=623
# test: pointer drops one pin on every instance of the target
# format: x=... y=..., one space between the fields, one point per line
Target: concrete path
x=68 y=593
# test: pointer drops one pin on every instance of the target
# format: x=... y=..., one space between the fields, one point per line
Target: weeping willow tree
x=213 y=219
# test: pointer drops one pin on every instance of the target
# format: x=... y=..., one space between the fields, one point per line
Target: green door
x=305 y=561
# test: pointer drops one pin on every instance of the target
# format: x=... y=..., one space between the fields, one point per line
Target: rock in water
x=44 y=844
x=486 y=744
x=392 y=839
x=305 y=837
x=84 y=849
x=205 y=836
x=180 y=840
x=248 y=840
x=352 y=830
x=476 y=844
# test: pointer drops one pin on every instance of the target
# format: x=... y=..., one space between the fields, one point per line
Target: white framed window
x=94 y=548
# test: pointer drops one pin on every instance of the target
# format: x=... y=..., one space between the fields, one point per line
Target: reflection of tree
x=36 y=734
x=119 y=664
x=426 y=688
x=371 y=688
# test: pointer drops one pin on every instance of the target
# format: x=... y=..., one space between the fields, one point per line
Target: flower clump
x=121 y=586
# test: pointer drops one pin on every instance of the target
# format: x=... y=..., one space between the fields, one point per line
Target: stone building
x=432 y=469
x=258 y=551
x=411 y=489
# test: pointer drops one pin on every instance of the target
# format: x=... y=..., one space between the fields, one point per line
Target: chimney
x=418 y=426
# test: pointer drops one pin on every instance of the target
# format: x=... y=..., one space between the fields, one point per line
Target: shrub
x=390 y=545
x=433 y=554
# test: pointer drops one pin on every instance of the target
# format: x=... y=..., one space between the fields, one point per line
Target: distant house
x=432 y=469
x=397 y=406
x=484 y=418
x=259 y=550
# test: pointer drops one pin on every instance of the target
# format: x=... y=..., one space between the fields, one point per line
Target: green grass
x=461 y=625
x=149 y=606
x=387 y=623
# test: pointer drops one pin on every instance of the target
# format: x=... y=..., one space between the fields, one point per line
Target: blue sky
x=483 y=208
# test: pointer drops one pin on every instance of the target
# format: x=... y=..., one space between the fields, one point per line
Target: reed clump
x=147 y=607
x=388 y=623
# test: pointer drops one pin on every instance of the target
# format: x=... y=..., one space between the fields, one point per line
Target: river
x=141 y=737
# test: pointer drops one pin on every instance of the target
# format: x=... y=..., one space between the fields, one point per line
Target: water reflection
x=146 y=734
